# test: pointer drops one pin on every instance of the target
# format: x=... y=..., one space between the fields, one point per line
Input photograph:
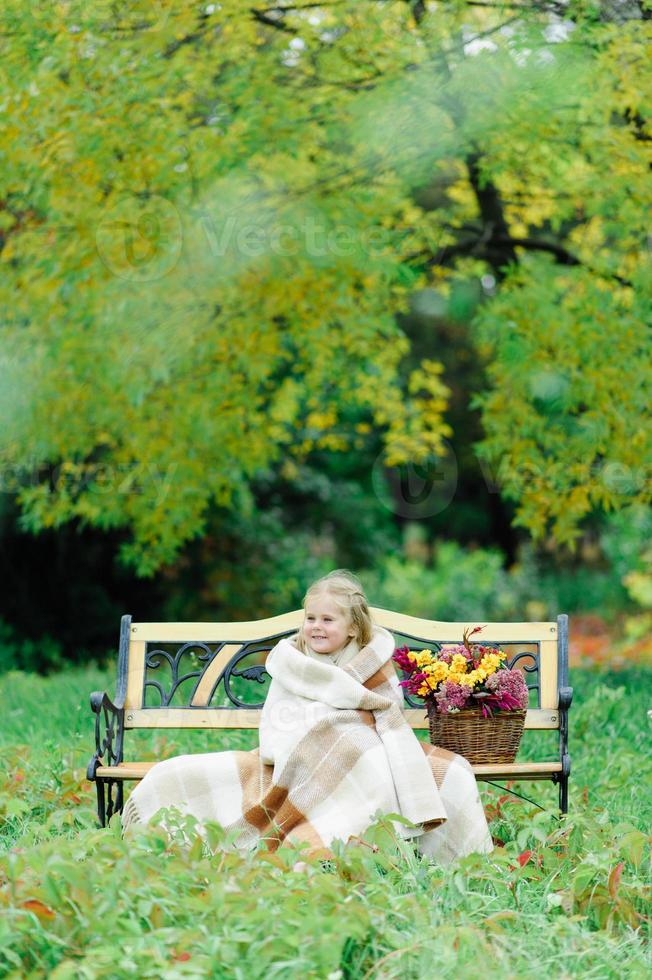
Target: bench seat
x=503 y=770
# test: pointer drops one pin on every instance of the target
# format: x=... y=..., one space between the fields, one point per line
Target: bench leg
x=101 y=802
x=115 y=797
x=110 y=799
x=563 y=793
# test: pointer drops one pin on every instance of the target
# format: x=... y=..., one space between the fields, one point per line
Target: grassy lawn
x=565 y=898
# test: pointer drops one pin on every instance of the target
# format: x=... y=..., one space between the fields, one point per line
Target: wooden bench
x=211 y=676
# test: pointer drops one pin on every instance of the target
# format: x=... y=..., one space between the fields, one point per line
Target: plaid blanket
x=335 y=752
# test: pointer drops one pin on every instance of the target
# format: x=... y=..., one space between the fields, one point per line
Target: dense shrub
x=25 y=654
x=460 y=584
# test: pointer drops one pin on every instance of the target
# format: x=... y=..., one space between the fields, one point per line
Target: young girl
x=335 y=749
x=335 y=614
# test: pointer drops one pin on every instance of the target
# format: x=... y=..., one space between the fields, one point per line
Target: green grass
x=78 y=902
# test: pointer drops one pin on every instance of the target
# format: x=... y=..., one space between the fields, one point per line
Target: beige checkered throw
x=335 y=753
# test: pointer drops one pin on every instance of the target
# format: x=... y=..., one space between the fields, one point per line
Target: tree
x=212 y=216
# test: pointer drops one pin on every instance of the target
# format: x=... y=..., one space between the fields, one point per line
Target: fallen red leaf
x=614 y=879
x=39 y=908
x=182 y=957
x=524 y=858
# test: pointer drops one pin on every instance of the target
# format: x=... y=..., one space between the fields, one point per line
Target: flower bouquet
x=476 y=704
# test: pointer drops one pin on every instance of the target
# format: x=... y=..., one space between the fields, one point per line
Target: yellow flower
x=424 y=658
x=459 y=662
x=423 y=690
x=440 y=671
x=470 y=679
x=489 y=664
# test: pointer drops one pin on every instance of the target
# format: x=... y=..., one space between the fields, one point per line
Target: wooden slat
x=214 y=632
x=250 y=718
x=452 y=632
x=192 y=718
x=515 y=770
x=393 y=621
x=126 y=770
x=548 y=675
x=135 y=674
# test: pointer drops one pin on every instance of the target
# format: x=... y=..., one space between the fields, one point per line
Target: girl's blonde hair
x=346 y=589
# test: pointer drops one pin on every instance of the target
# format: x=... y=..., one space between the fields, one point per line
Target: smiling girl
x=336 y=621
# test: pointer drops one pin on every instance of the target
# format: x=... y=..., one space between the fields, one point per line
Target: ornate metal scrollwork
x=205 y=654
x=155 y=658
x=159 y=657
x=256 y=672
x=109 y=732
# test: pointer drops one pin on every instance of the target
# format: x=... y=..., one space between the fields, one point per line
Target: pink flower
x=415 y=677
x=449 y=650
x=402 y=659
x=452 y=697
x=509 y=690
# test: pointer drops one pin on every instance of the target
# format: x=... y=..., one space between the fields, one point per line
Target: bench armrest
x=109 y=732
x=565 y=698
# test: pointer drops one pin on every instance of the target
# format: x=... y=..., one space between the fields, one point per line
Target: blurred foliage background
x=299 y=285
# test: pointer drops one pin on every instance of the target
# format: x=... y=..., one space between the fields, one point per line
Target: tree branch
x=480 y=246
x=204 y=21
x=418 y=9
x=496 y=238
x=264 y=18
x=562 y=255
x=304 y=6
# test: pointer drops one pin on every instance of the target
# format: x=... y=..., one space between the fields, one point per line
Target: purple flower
x=509 y=690
x=452 y=697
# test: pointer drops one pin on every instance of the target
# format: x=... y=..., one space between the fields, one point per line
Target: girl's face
x=326 y=627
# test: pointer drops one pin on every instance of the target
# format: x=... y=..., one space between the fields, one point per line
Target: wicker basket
x=478 y=739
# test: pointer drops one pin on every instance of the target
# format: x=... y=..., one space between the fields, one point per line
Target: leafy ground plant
x=570 y=897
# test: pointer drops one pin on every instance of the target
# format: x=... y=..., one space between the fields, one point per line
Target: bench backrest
x=212 y=675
